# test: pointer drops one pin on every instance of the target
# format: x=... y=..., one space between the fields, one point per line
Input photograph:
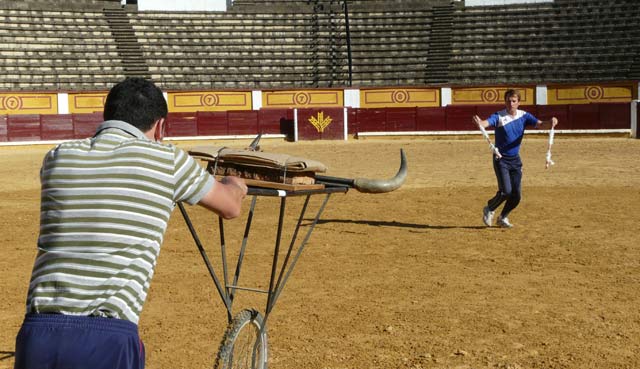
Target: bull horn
x=383 y=185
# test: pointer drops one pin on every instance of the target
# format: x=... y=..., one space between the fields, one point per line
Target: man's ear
x=158 y=127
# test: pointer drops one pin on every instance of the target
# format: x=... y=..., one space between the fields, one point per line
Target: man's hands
x=225 y=197
x=548 y=124
x=237 y=182
x=482 y=124
x=477 y=121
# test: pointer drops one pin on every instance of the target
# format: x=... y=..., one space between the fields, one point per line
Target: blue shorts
x=72 y=342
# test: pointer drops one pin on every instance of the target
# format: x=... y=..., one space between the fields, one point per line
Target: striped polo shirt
x=105 y=204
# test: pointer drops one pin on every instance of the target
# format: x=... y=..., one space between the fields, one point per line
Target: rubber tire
x=244 y=330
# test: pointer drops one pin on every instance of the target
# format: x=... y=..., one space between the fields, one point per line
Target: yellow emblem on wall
x=399 y=98
x=586 y=94
x=87 y=102
x=320 y=122
x=28 y=103
x=490 y=95
x=187 y=102
x=302 y=98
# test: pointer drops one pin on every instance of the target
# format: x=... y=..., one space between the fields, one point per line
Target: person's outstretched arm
x=479 y=122
x=225 y=197
x=547 y=124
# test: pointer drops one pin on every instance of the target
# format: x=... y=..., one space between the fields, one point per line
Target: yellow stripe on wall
x=585 y=94
x=489 y=95
x=82 y=103
x=399 y=98
x=185 y=102
x=19 y=103
x=302 y=98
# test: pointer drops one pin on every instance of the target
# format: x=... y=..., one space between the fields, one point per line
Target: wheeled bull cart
x=244 y=344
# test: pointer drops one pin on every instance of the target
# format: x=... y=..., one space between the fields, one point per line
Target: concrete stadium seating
x=564 y=41
x=88 y=45
x=42 y=49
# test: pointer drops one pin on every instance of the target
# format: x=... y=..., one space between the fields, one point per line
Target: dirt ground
x=408 y=279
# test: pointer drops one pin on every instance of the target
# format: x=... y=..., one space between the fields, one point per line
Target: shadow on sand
x=376 y=223
x=4 y=355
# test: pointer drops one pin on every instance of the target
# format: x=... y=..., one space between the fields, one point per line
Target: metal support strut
x=279 y=273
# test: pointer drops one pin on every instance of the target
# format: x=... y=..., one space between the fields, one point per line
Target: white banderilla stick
x=491 y=145
x=549 y=161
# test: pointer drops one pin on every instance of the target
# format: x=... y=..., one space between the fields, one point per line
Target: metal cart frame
x=251 y=351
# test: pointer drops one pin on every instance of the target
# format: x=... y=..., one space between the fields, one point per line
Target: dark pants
x=508 y=171
x=56 y=341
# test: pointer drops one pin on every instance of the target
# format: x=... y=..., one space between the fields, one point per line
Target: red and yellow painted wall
x=81 y=103
x=322 y=113
x=181 y=102
x=302 y=98
x=400 y=97
x=585 y=94
x=490 y=95
x=28 y=103
x=217 y=101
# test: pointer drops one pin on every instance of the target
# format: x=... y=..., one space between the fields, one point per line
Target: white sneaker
x=504 y=222
x=487 y=216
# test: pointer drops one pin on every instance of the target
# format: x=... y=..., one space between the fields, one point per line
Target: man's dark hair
x=136 y=101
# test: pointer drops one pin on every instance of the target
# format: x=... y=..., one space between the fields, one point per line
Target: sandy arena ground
x=409 y=279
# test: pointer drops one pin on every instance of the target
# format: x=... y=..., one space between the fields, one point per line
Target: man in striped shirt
x=105 y=204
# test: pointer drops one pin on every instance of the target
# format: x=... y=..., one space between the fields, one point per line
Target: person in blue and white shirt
x=509 y=125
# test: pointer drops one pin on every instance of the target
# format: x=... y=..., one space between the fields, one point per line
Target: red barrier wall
x=23 y=127
x=85 y=125
x=561 y=112
x=584 y=117
x=243 y=122
x=368 y=120
x=431 y=119
x=56 y=126
x=638 y=118
x=615 y=115
x=402 y=119
x=212 y=123
x=266 y=121
x=275 y=121
x=458 y=118
x=4 y=132
x=17 y=128
x=396 y=119
x=181 y=125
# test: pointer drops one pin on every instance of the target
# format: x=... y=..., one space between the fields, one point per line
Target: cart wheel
x=243 y=346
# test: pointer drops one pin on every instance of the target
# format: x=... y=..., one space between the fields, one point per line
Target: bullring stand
x=244 y=344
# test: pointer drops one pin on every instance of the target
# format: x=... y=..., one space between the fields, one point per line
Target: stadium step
x=127 y=45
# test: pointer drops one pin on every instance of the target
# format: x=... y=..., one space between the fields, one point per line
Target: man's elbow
x=226 y=204
x=231 y=212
